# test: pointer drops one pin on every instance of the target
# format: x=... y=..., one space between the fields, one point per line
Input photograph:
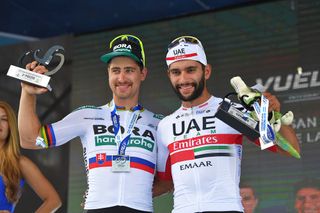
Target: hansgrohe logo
x=103 y=140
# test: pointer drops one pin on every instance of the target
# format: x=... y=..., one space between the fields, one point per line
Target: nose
x=182 y=78
x=183 y=75
x=121 y=76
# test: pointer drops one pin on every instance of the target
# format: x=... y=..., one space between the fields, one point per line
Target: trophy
x=41 y=80
x=253 y=119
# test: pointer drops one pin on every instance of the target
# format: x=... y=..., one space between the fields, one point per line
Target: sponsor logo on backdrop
x=307 y=129
x=294 y=87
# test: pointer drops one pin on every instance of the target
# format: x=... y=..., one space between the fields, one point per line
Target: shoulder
x=25 y=164
x=24 y=161
x=150 y=116
x=88 y=108
x=169 y=118
x=85 y=111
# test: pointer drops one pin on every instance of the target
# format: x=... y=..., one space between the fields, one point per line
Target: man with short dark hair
x=202 y=153
x=118 y=139
x=307 y=194
x=248 y=198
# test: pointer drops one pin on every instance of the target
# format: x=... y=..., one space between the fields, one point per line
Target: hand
x=274 y=104
x=32 y=89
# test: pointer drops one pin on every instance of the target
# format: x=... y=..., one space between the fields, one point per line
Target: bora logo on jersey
x=103 y=140
x=104 y=136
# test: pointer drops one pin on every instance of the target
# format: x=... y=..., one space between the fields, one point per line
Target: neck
x=200 y=100
x=126 y=103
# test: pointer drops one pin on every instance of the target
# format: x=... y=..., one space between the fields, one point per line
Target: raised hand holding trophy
x=255 y=122
x=41 y=80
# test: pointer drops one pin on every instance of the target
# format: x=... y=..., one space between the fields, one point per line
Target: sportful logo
x=103 y=140
x=217 y=145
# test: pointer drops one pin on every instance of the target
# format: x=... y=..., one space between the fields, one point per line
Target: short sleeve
x=163 y=157
x=60 y=132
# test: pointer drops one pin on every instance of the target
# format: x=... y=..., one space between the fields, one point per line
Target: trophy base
x=29 y=76
x=238 y=120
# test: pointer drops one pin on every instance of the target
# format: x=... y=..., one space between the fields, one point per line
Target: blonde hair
x=9 y=155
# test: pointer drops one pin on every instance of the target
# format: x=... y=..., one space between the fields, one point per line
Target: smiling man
x=118 y=139
x=200 y=152
x=307 y=194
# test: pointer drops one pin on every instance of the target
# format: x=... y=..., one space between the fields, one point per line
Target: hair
x=139 y=64
x=9 y=155
x=247 y=185
x=307 y=183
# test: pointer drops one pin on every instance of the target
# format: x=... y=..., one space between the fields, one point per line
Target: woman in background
x=16 y=169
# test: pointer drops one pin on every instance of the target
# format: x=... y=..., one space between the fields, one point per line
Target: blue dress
x=4 y=203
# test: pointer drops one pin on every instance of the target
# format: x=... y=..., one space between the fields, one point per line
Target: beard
x=198 y=89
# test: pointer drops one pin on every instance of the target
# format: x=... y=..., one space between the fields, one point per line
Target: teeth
x=186 y=86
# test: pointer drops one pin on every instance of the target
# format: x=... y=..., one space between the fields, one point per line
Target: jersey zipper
x=196 y=176
x=121 y=188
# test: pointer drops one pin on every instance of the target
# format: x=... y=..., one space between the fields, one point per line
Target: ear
x=144 y=73
x=207 y=71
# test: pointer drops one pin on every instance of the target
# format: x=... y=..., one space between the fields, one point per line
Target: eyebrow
x=127 y=67
x=185 y=68
x=173 y=69
x=191 y=67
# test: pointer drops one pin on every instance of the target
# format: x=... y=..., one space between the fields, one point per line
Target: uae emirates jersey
x=203 y=155
x=95 y=128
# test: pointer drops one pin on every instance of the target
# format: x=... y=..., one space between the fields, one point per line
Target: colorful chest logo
x=104 y=136
x=212 y=145
x=185 y=127
x=108 y=140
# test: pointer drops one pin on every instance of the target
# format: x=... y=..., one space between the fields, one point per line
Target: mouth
x=185 y=88
x=124 y=86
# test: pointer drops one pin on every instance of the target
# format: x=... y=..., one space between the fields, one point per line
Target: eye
x=300 y=198
x=191 y=69
x=175 y=72
x=4 y=119
x=115 y=70
x=129 y=69
x=314 y=197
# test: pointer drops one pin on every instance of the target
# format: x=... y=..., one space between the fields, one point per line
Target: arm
x=40 y=185
x=161 y=186
x=28 y=121
x=286 y=131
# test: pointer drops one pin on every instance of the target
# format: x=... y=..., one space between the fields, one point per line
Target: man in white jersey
x=118 y=139
x=199 y=151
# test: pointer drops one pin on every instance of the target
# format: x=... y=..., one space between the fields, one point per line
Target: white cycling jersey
x=205 y=159
x=95 y=128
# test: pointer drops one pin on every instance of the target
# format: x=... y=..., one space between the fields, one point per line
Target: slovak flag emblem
x=101 y=158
